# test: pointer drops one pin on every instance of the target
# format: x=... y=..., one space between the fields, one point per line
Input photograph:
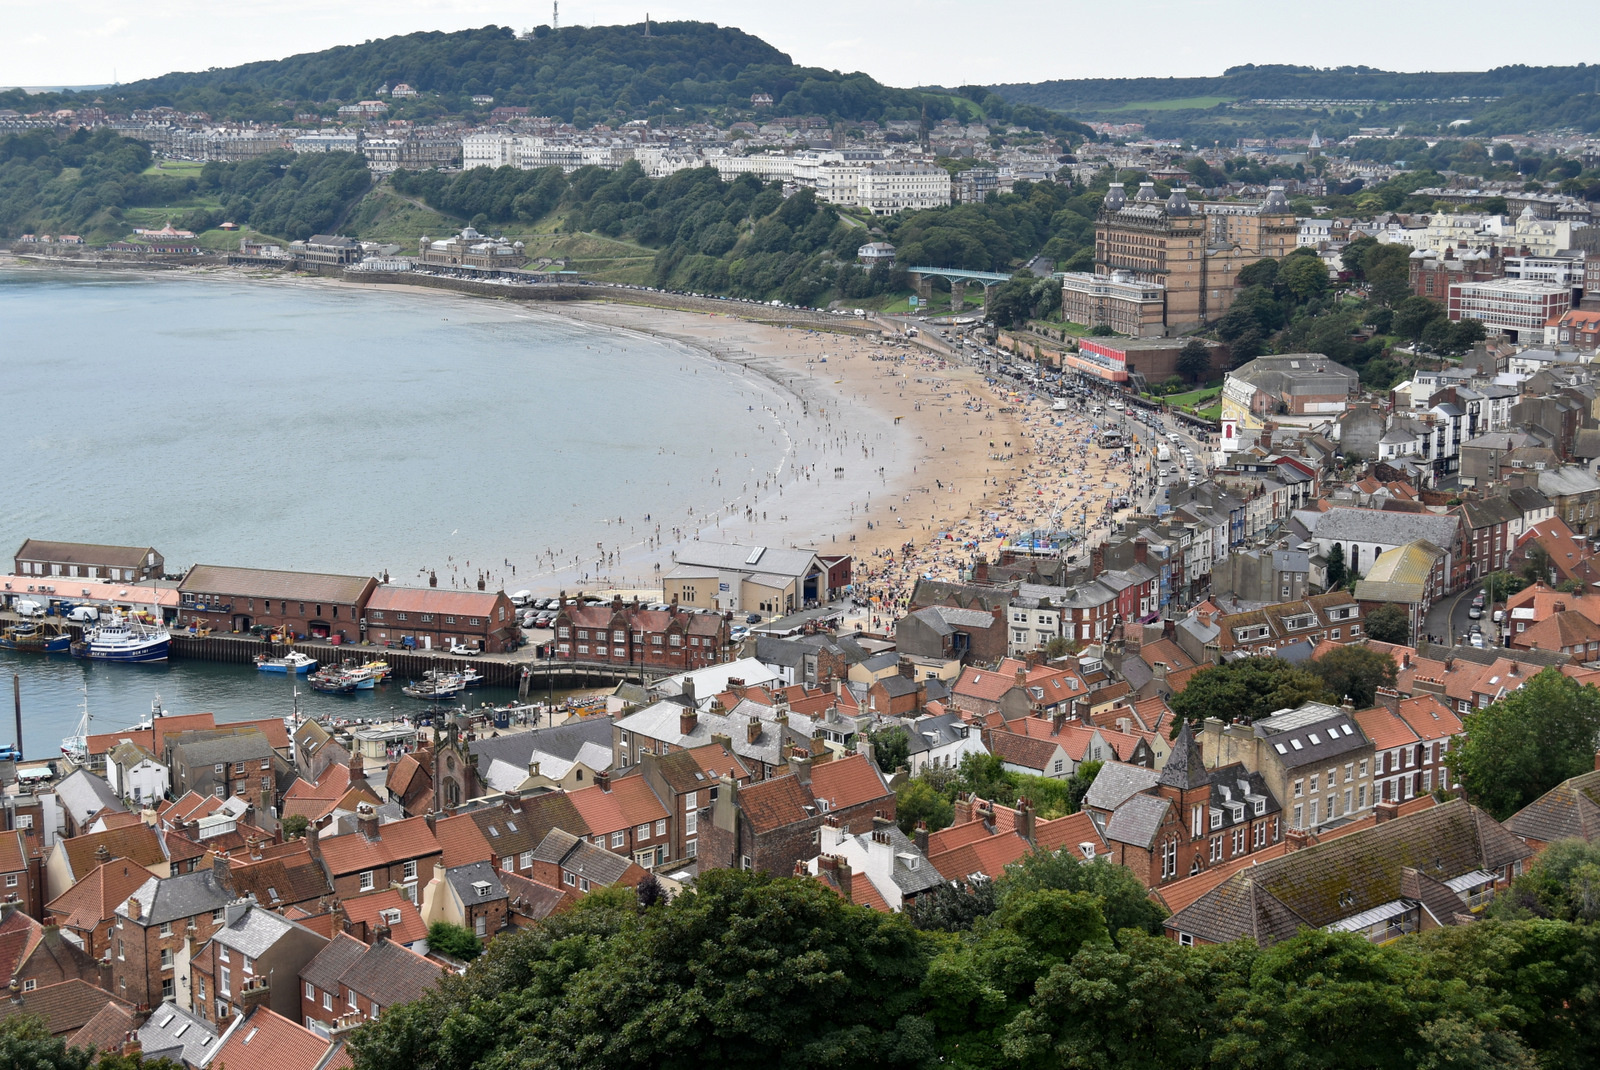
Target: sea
x=296 y=424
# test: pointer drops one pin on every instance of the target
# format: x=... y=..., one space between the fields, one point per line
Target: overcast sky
x=82 y=42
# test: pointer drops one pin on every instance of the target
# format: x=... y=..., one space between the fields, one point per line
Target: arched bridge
x=958 y=278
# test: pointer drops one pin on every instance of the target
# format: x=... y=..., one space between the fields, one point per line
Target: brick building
x=471 y=896
x=379 y=856
x=34 y=956
x=226 y=599
x=628 y=634
x=350 y=980
x=438 y=619
x=253 y=959
x=152 y=927
x=576 y=867
x=81 y=560
x=773 y=824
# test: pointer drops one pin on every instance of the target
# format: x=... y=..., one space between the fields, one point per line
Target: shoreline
x=956 y=451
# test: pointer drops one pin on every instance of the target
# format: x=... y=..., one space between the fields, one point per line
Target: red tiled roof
x=988 y=856
x=774 y=803
x=269 y=1041
x=107 y=1030
x=1068 y=831
x=65 y=1007
x=847 y=781
x=396 y=842
x=457 y=602
x=1568 y=630
x=95 y=898
x=1025 y=751
x=948 y=839
x=138 y=843
x=629 y=802
x=272 y=727
x=1429 y=718
x=368 y=908
x=463 y=841
x=1384 y=728
x=989 y=684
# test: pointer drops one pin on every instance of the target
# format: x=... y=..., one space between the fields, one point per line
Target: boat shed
x=309 y=604
x=434 y=619
x=160 y=603
x=75 y=560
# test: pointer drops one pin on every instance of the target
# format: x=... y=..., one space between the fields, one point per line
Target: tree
x=1079 y=783
x=1520 y=747
x=294 y=826
x=1498 y=586
x=454 y=940
x=1412 y=316
x=1336 y=567
x=953 y=908
x=1194 y=360
x=1125 y=903
x=918 y=800
x=891 y=747
x=1250 y=687
x=1355 y=672
x=26 y=1043
x=1304 y=276
x=1563 y=882
x=1536 y=564
x=1389 y=624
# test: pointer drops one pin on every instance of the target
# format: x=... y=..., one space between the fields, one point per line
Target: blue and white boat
x=122 y=639
x=294 y=663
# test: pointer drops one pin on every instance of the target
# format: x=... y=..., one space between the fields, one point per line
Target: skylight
x=1281 y=748
x=1295 y=743
x=1312 y=736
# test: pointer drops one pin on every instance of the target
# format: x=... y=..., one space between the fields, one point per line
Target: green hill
x=1504 y=100
x=582 y=75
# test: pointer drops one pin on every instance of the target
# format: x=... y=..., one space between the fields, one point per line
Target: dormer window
x=1216 y=818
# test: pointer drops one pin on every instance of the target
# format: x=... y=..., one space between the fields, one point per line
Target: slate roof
x=82 y=794
x=84 y=553
x=1570 y=810
x=1137 y=820
x=390 y=973
x=176 y=1034
x=1116 y=783
x=1387 y=528
x=329 y=964
x=530 y=899
x=465 y=880
x=1290 y=734
x=254 y=931
x=521 y=824
x=1185 y=767
x=1337 y=879
x=582 y=858
x=170 y=898
x=286 y=878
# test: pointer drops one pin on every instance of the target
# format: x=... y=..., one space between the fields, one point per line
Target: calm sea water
x=282 y=424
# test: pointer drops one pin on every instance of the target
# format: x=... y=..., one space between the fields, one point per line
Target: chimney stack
x=1296 y=839
x=367 y=820
x=1387 y=810
x=1025 y=819
x=752 y=730
x=688 y=720
x=920 y=835
x=603 y=778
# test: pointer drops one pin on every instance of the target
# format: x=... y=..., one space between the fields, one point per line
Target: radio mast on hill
x=555 y=14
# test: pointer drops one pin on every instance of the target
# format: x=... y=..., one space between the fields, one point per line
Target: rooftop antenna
x=555 y=14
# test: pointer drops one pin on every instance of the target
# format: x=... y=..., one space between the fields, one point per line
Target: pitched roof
x=439 y=600
x=1185 y=767
x=96 y=897
x=1385 y=729
x=463 y=841
x=989 y=856
x=380 y=907
x=329 y=964
x=137 y=843
x=389 y=973
x=1116 y=783
x=582 y=858
x=395 y=842
x=530 y=899
x=1337 y=879
x=774 y=803
x=274 y=583
x=66 y=1006
x=176 y=1034
x=848 y=781
x=1024 y=751
x=268 y=1041
x=292 y=875
x=84 y=553
x=166 y=899
x=1138 y=819
x=627 y=802
x=1570 y=810
x=477 y=882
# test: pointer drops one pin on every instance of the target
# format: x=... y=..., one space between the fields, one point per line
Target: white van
x=84 y=615
x=26 y=607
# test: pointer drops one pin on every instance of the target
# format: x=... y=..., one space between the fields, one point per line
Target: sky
x=945 y=42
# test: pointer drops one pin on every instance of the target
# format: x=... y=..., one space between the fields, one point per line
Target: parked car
x=754 y=618
x=1475 y=612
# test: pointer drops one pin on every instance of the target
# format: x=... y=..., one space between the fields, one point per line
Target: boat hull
x=138 y=653
x=56 y=644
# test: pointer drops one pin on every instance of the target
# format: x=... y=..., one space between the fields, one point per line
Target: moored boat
x=123 y=639
x=293 y=662
x=332 y=682
x=442 y=686
x=36 y=638
x=379 y=669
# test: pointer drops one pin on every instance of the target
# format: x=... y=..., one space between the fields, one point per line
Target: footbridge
x=958 y=278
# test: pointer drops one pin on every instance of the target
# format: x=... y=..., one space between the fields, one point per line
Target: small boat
x=438 y=687
x=35 y=638
x=293 y=662
x=332 y=682
x=468 y=677
x=379 y=669
x=123 y=639
x=364 y=677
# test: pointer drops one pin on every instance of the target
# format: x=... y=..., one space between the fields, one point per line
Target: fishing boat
x=437 y=687
x=332 y=682
x=379 y=669
x=36 y=638
x=123 y=639
x=469 y=677
x=293 y=663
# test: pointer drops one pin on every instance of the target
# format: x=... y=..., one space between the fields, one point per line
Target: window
x=506 y=862
x=366 y=880
x=224 y=981
x=1313 y=783
x=1259 y=839
x=1216 y=819
x=583 y=884
x=327 y=1001
x=216 y=917
x=1216 y=848
x=410 y=870
x=617 y=838
x=1363 y=768
x=525 y=860
x=661 y=827
x=249 y=964
x=1058 y=765
x=166 y=930
x=222 y=953
x=744 y=863
x=166 y=959
x=642 y=832
x=480 y=926
x=311 y=992
x=1314 y=803
x=1298 y=821
x=568 y=879
x=1299 y=788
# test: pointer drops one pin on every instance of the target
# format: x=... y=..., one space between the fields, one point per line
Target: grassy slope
x=1178 y=104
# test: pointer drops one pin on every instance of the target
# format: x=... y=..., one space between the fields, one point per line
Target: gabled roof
x=137 y=843
x=389 y=973
x=1138 y=819
x=167 y=899
x=84 y=553
x=477 y=882
x=396 y=842
x=1185 y=767
x=771 y=804
x=65 y=1007
x=380 y=909
x=176 y=1034
x=463 y=841
x=1570 y=810
x=95 y=898
x=1340 y=878
x=627 y=802
x=329 y=964
x=582 y=858
x=1385 y=729
x=290 y=875
x=848 y=781
x=532 y=900
x=82 y=795
x=268 y=1041
x=1024 y=751
x=274 y=583
x=1116 y=783
x=457 y=602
